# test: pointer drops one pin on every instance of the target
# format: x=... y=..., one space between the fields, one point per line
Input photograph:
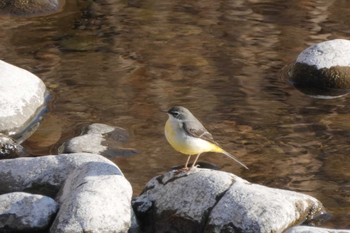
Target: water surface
x=122 y=62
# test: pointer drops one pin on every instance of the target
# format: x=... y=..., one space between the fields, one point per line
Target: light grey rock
x=256 y=208
x=323 y=70
x=21 y=211
x=22 y=95
x=30 y=7
x=327 y=54
x=180 y=202
x=88 y=143
x=94 y=195
x=95 y=198
x=44 y=175
x=99 y=139
x=307 y=229
x=203 y=200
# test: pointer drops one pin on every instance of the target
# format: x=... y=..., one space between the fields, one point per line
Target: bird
x=187 y=135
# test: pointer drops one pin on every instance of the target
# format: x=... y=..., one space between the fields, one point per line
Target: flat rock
x=22 y=95
x=204 y=200
x=21 y=211
x=307 y=229
x=100 y=139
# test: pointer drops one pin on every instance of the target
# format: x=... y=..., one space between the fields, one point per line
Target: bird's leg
x=195 y=161
x=184 y=169
x=188 y=159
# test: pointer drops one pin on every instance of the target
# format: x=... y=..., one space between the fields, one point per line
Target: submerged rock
x=307 y=229
x=323 y=70
x=203 y=200
x=100 y=139
x=26 y=212
x=30 y=7
x=22 y=100
x=93 y=194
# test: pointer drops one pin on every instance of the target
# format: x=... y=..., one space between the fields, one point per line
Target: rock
x=203 y=200
x=95 y=198
x=22 y=100
x=30 y=7
x=94 y=195
x=256 y=208
x=307 y=229
x=9 y=148
x=43 y=175
x=180 y=202
x=99 y=139
x=26 y=212
x=323 y=70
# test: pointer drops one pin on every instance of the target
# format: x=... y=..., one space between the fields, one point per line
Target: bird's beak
x=165 y=111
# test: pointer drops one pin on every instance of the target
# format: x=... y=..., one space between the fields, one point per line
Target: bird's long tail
x=234 y=158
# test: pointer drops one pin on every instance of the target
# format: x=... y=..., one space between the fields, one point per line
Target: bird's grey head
x=179 y=112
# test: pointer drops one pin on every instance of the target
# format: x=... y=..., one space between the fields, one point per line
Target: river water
x=122 y=62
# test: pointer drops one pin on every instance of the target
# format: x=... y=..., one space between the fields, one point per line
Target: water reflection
x=121 y=62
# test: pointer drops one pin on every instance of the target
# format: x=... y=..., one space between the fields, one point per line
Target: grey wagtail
x=186 y=134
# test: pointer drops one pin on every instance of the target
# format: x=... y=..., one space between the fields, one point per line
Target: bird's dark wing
x=197 y=130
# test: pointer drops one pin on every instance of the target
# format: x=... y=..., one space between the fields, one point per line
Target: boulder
x=307 y=229
x=100 y=139
x=203 y=200
x=26 y=212
x=92 y=192
x=95 y=198
x=22 y=100
x=323 y=70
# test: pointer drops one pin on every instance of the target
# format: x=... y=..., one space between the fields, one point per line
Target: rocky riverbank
x=80 y=190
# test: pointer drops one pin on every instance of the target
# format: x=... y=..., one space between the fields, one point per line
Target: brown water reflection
x=121 y=62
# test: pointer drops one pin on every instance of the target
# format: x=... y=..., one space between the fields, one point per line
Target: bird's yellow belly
x=185 y=144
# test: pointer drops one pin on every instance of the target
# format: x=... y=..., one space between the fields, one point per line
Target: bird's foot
x=181 y=170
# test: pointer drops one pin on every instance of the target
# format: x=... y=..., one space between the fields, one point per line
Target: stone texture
x=327 y=54
x=307 y=229
x=203 y=200
x=95 y=198
x=44 y=175
x=9 y=148
x=256 y=208
x=21 y=211
x=22 y=95
x=93 y=194
x=30 y=7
